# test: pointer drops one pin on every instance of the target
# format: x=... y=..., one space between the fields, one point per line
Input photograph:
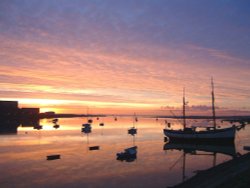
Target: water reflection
x=38 y=127
x=8 y=126
x=90 y=158
x=227 y=149
x=200 y=150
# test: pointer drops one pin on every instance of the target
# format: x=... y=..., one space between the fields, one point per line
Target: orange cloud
x=104 y=79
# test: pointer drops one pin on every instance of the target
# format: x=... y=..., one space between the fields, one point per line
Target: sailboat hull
x=210 y=136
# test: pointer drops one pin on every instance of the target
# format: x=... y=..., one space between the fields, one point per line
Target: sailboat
x=133 y=130
x=86 y=127
x=210 y=134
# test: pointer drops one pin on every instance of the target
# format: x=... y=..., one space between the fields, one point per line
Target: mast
x=134 y=120
x=213 y=108
x=184 y=109
x=87 y=113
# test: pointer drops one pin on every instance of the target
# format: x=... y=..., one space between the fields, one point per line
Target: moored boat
x=128 y=155
x=209 y=134
x=86 y=128
x=53 y=157
x=133 y=130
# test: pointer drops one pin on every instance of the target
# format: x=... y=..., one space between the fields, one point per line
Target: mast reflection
x=195 y=149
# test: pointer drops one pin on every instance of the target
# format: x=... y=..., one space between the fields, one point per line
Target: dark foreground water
x=23 y=156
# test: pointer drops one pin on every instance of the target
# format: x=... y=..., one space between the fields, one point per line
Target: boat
x=55 y=120
x=53 y=157
x=132 y=131
x=86 y=125
x=90 y=121
x=94 y=147
x=56 y=126
x=128 y=155
x=86 y=128
x=209 y=134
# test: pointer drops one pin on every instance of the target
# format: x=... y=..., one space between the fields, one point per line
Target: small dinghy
x=90 y=121
x=56 y=126
x=86 y=128
x=94 y=147
x=53 y=157
x=128 y=155
x=132 y=131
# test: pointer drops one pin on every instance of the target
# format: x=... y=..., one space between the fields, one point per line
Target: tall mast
x=184 y=109
x=213 y=108
x=134 y=120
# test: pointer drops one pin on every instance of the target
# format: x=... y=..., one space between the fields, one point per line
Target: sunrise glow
x=110 y=59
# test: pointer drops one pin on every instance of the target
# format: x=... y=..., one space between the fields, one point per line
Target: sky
x=121 y=57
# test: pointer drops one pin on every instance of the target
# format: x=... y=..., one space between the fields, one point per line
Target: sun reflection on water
x=79 y=166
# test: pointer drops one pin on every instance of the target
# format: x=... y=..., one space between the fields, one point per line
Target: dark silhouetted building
x=49 y=114
x=9 y=109
x=29 y=113
x=11 y=117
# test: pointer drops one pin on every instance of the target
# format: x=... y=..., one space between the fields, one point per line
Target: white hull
x=210 y=135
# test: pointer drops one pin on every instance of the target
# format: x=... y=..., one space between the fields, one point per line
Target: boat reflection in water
x=38 y=127
x=10 y=126
x=200 y=149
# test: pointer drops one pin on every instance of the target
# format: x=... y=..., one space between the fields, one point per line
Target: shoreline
x=233 y=173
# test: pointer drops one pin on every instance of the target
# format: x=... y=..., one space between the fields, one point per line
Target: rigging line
x=176 y=117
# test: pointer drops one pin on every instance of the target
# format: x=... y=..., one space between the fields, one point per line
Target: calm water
x=23 y=156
